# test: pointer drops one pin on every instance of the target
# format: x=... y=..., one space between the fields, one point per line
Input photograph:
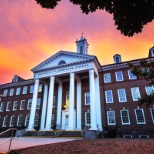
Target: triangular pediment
x=62 y=58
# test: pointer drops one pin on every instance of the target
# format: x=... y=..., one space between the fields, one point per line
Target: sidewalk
x=23 y=142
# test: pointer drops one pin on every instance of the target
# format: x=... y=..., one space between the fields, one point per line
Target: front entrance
x=65 y=119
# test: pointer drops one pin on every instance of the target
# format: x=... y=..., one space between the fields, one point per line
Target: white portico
x=53 y=70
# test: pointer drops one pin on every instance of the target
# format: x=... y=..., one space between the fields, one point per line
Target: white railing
x=13 y=129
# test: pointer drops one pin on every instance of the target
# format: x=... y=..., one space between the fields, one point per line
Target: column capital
x=52 y=78
x=36 y=81
x=91 y=71
x=72 y=75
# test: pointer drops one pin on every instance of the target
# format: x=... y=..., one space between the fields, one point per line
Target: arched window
x=62 y=62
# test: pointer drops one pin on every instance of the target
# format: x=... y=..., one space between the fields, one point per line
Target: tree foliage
x=130 y=16
x=145 y=70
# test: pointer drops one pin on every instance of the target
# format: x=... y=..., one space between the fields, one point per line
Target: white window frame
x=87 y=119
x=40 y=88
x=117 y=78
x=123 y=95
x=31 y=88
x=107 y=78
x=106 y=97
x=22 y=101
x=38 y=104
x=4 y=121
x=8 y=106
x=138 y=91
x=2 y=107
x=29 y=104
x=18 y=90
x=87 y=98
x=146 y=89
x=108 y=118
x=15 y=105
x=11 y=92
x=131 y=75
x=18 y=121
x=25 y=88
x=36 y=120
x=11 y=119
x=137 y=120
x=27 y=120
x=5 y=93
x=152 y=114
x=122 y=117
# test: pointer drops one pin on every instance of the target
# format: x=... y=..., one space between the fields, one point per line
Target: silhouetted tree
x=130 y=16
x=145 y=70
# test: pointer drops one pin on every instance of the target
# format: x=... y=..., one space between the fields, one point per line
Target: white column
x=98 y=104
x=59 y=105
x=78 y=104
x=45 y=95
x=71 y=102
x=92 y=101
x=50 y=104
x=33 y=107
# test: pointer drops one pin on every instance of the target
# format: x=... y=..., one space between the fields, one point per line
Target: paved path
x=23 y=142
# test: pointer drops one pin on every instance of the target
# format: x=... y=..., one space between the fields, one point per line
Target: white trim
x=152 y=114
x=86 y=124
x=8 y=106
x=142 y=115
x=4 y=120
x=108 y=121
x=129 y=75
x=11 y=92
x=18 y=91
x=5 y=93
x=85 y=98
x=124 y=92
x=138 y=91
x=122 y=79
x=125 y=116
x=28 y=108
x=2 y=104
x=11 y=121
x=143 y=136
x=107 y=80
x=21 y=104
x=127 y=136
x=25 y=89
x=18 y=120
x=26 y=120
x=14 y=105
x=106 y=96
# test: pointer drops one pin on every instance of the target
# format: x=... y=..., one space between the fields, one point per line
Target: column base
x=93 y=128
x=48 y=130
x=30 y=129
x=41 y=129
x=70 y=129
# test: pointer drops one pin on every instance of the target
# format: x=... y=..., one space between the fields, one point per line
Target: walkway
x=23 y=142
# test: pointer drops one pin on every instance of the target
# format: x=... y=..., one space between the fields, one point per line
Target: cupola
x=151 y=52
x=82 y=45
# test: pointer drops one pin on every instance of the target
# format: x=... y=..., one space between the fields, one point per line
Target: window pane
x=11 y=91
x=5 y=92
x=125 y=117
x=15 y=105
x=87 y=98
x=8 y=107
x=122 y=95
x=25 y=90
x=131 y=75
x=109 y=97
x=18 y=91
x=29 y=104
x=140 y=116
x=31 y=88
x=22 y=105
x=135 y=93
x=38 y=103
x=119 y=76
x=107 y=78
x=111 y=117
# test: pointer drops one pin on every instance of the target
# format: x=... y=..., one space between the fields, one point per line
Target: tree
x=130 y=16
x=145 y=70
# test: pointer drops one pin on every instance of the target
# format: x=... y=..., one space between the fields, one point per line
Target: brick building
x=72 y=90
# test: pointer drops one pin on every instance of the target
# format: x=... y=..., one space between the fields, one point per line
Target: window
x=111 y=117
x=36 y=120
x=135 y=93
x=8 y=106
x=29 y=104
x=22 y=104
x=124 y=117
x=54 y=101
x=109 y=96
x=11 y=92
x=140 y=119
x=52 y=119
x=149 y=89
x=27 y=120
x=15 y=105
x=38 y=103
x=119 y=76
x=5 y=92
x=62 y=62
x=152 y=114
x=12 y=121
x=5 y=121
x=18 y=91
x=81 y=49
x=2 y=107
x=107 y=78
x=122 y=95
x=131 y=75
x=87 y=98
x=25 y=90
x=87 y=119
x=40 y=88
x=31 y=88
x=19 y=122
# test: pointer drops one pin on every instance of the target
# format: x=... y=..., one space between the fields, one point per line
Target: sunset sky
x=30 y=34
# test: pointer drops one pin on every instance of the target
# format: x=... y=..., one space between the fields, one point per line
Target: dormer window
x=62 y=62
x=117 y=58
x=15 y=79
x=151 y=52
